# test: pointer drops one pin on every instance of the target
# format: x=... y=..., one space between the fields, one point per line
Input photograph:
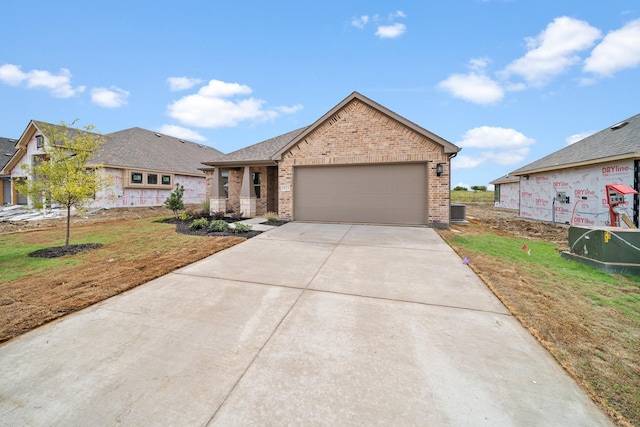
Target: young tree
x=174 y=201
x=65 y=174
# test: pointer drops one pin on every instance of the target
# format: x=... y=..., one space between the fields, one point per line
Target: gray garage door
x=382 y=194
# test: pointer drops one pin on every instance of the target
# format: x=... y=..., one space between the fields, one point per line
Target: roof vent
x=158 y=135
x=8 y=154
x=183 y=141
x=619 y=125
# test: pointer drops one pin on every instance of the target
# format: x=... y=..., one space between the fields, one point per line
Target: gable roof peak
x=448 y=147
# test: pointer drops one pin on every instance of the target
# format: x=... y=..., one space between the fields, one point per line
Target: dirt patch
x=34 y=300
x=595 y=344
x=506 y=222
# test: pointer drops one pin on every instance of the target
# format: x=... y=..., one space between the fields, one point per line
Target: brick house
x=360 y=162
x=143 y=166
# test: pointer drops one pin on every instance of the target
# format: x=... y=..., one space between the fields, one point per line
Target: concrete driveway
x=307 y=324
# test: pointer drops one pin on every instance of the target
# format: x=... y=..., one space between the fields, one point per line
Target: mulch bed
x=58 y=251
x=183 y=228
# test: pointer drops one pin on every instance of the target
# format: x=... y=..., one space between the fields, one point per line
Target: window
x=255 y=176
x=156 y=180
x=225 y=183
x=496 y=193
x=39 y=141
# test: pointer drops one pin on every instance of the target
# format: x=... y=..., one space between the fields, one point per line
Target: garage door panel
x=389 y=194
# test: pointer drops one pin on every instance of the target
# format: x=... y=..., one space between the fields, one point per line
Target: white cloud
x=494 y=137
x=290 y=110
x=112 y=97
x=465 y=162
x=11 y=74
x=497 y=145
x=572 y=139
x=360 y=22
x=587 y=81
x=619 y=50
x=506 y=157
x=553 y=51
x=473 y=87
x=391 y=31
x=59 y=84
x=211 y=107
x=182 y=83
x=479 y=64
x=397 y=14
x=182 y=133
x=217 y=88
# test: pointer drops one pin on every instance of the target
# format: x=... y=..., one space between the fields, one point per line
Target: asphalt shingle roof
x=505 y=179
x=145 y=149
x=7 y=148
x=262 y=151
x=617 y=140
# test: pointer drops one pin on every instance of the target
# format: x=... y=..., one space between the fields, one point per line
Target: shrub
x=185 y=216
x=460 y=188
x=218 y=225
x=174 y=201
x=206 y=206
x=241 y=228
x=198 y=224
x=218 y=215
x=271 y=216
x=237 y=216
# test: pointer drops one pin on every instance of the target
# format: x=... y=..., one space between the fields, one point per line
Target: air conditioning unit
x=458 y=212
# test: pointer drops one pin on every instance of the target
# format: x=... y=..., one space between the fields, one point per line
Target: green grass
x=545 y=264
x=14 y=262
x=472 y=197
x=588 y=319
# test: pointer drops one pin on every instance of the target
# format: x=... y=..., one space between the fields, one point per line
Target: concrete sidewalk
x=306 y=324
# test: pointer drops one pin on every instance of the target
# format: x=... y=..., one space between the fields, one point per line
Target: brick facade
x=360 y=134
x=356 y=132
x=268 y=188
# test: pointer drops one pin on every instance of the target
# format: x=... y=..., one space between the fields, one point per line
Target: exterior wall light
x=439 y=169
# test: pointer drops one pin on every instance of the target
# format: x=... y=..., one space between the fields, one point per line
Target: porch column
x=217 y=200
x=247 y=194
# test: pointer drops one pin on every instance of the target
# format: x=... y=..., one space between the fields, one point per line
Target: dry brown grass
x=597 y=345
x=135 y=252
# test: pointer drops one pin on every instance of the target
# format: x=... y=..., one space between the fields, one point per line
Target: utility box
x=610 y=249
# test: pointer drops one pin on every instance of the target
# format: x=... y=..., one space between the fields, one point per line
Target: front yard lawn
x=34 y=291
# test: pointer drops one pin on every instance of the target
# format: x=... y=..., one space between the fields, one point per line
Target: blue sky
x=508 y=81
